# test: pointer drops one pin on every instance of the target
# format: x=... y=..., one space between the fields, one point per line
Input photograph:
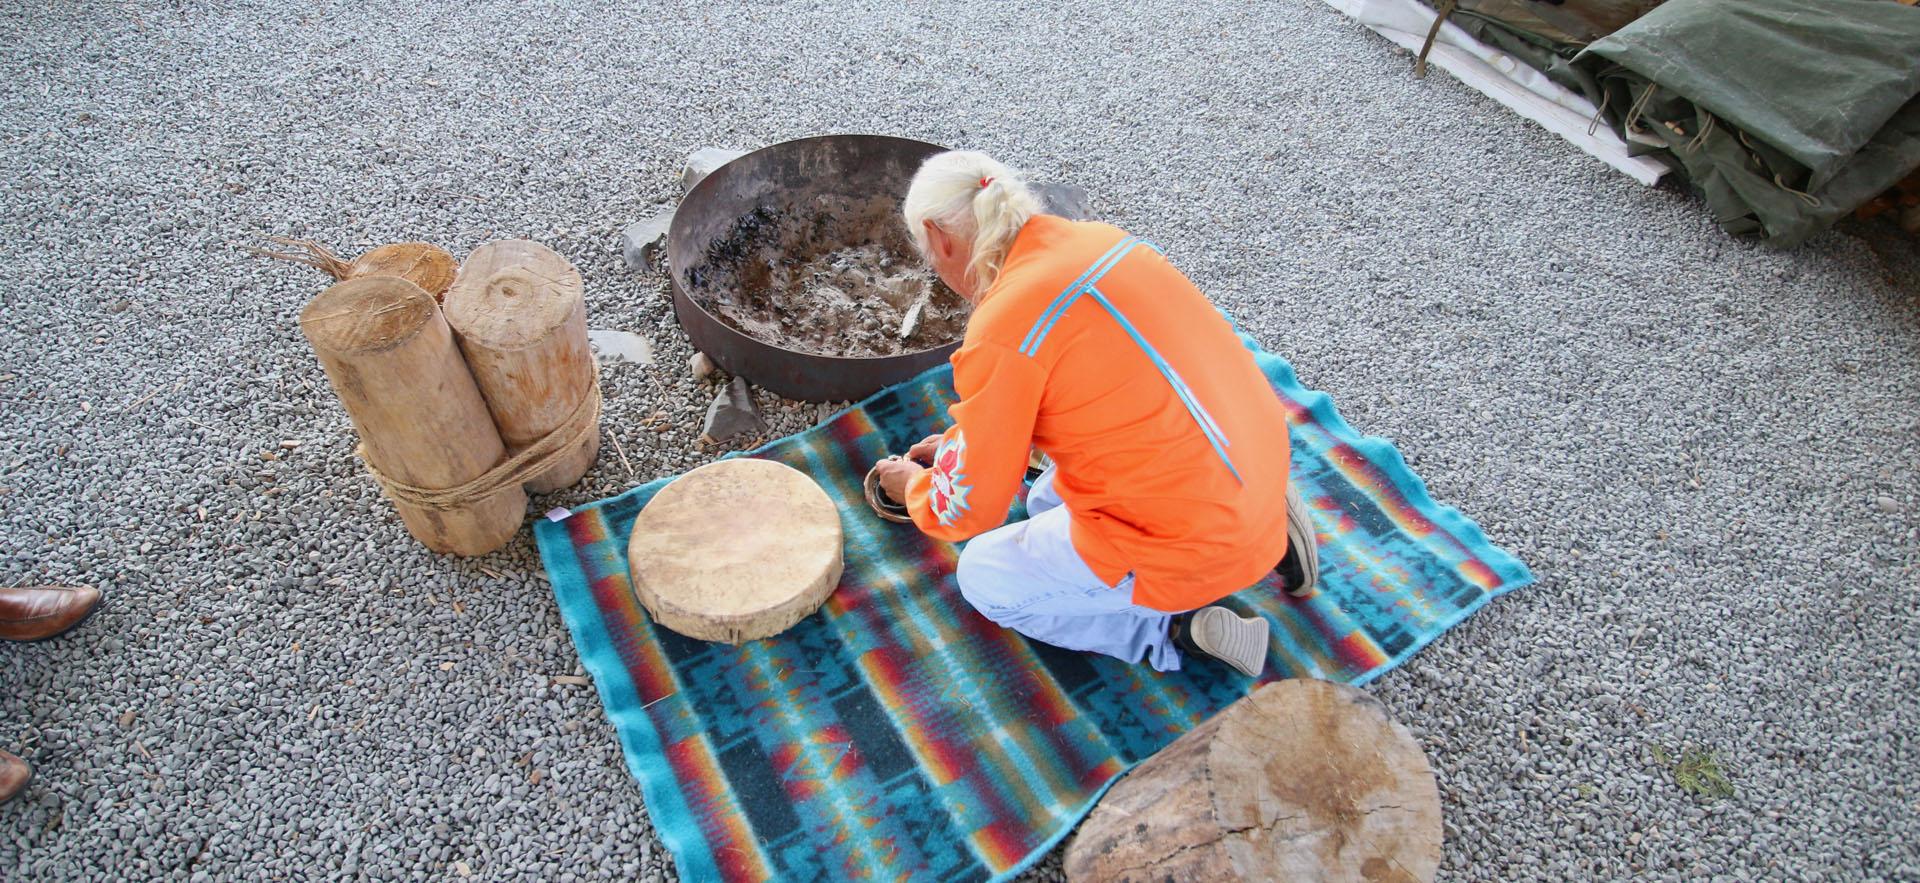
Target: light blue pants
x=1026 y=576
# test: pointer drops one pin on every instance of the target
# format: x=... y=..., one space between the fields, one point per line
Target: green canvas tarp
x=1786 y=114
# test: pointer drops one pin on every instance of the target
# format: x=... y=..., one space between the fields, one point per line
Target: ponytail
x=973 y=196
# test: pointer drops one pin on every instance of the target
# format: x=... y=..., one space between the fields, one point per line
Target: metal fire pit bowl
x=788 y=178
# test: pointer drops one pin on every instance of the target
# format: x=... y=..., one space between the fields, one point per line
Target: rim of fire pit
x=735 y=189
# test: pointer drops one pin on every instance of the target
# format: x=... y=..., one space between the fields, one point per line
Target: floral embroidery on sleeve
x=950 y=488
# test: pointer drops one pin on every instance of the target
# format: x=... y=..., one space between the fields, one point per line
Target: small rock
x=1066 y=200
x=912 y=321
x=701 y=366
x=643 y=239
x=1888 y=505
x=732 y=413
x=702 y=162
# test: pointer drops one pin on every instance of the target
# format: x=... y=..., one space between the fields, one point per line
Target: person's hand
x=894 y=474
x=923 y=452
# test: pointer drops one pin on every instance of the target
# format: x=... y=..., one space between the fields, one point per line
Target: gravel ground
x=1704 y=448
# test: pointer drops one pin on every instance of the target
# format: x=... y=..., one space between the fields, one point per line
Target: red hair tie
x=984 y=182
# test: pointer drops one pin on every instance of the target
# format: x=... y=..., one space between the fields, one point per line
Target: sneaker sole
x=1237 y=641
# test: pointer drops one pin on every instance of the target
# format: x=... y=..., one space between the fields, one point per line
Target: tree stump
x=392 y=360
x=736 y=550
x=520 y=313
x=1302 y=780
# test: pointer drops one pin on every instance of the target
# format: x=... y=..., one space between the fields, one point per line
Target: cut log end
x=368 y=314
x=512 y=294
x=422 y=263
x=1302 y=780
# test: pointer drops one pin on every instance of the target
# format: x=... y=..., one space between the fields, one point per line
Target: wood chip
x=143 y=751
x=446 y=666
x=141 y=400
x=126 y=720
x=462 y=869
x=572 y=680
x=289 y=443
x=534 y=777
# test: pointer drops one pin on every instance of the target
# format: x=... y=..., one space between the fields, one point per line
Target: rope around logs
x=512 y=472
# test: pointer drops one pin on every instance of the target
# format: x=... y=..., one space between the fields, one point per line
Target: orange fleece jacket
x=1174 y=468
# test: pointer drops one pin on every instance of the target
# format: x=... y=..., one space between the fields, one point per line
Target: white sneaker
x=1239 y=641
x=1300 y=567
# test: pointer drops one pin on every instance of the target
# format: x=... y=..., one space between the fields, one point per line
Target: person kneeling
x=1169 y=487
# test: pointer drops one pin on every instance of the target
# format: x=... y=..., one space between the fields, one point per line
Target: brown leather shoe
x=36 y=613
x=14 y=774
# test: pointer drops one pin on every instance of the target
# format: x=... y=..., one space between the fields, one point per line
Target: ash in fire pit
x=842 y=279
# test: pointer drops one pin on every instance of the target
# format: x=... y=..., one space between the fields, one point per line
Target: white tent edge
x=1503 y=78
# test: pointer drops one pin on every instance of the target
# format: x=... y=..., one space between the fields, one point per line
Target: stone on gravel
x=620 y=346
x=701 y=366
x=643 y=240
x=1066 y=200
x=732 y=414
x=702 y=162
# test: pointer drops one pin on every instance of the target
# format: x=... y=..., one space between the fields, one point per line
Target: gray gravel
x=1705 y=449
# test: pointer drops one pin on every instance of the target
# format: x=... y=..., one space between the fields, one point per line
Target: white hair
x=972 y=196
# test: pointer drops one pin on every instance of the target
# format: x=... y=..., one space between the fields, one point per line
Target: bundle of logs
x=468 y=384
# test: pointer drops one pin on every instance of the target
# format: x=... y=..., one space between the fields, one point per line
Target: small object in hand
x=884 y=506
